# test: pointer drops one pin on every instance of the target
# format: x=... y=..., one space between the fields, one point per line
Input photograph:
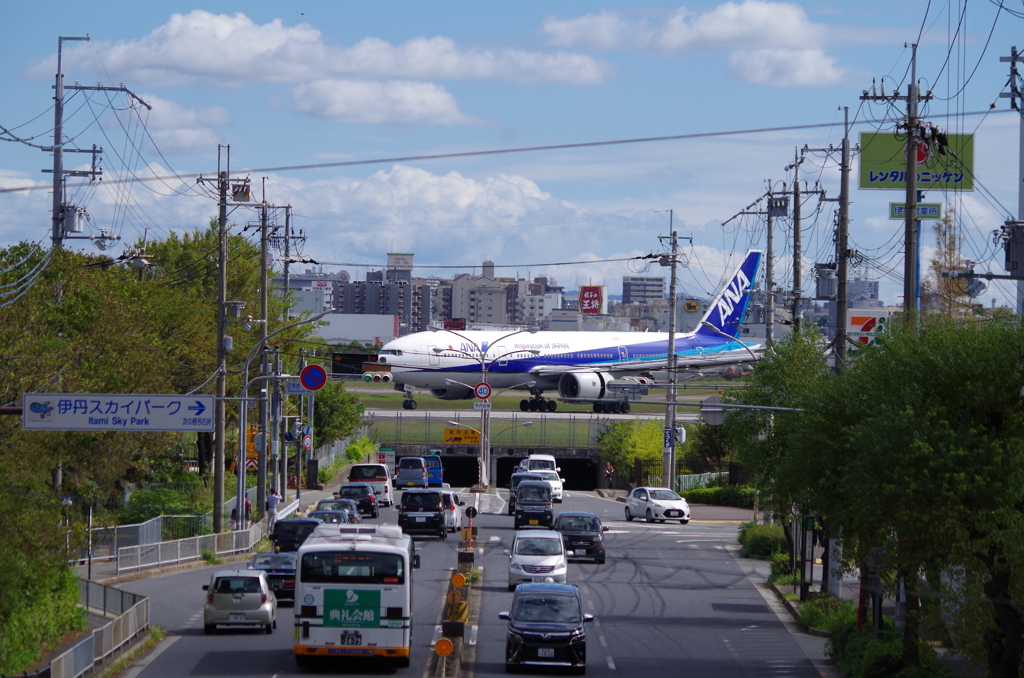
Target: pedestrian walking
x=247 y=516
x=609 y=471
x=273 y=499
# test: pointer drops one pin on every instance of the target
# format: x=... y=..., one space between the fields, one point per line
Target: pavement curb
x=795 y=613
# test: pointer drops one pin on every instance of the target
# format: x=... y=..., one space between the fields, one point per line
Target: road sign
x=313 y=377
x=252 y=464
x=482 y=405
x=116 y=412
x=482 y=390
x=925 y=210
x=462 y=436
x=307 y=442
x=295 y=387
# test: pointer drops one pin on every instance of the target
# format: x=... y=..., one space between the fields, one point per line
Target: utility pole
x=843 y=246
x=798 y=158
x=222 y=298
x=1016 y=98
x=769 y=272
x=915 y=139
x=668 y=458
x=261 y=474
x=60 y=228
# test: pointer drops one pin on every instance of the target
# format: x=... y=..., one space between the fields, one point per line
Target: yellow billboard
x=461 y=436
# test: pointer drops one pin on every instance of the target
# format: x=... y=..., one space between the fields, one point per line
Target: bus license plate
x=351 y=639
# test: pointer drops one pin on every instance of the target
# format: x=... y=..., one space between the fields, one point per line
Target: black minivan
x=533 y=504
x=513 y=487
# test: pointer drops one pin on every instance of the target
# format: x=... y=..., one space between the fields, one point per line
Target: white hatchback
x=536 y=555
x=452 y=513
x=657 y=504
x=555 y=481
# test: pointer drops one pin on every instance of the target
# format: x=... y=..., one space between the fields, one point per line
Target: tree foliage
x=916 y=453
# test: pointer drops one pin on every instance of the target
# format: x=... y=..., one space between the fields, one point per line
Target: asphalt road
x=670 y=600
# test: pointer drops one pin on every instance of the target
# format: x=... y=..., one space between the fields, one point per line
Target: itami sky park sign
x=116 y=412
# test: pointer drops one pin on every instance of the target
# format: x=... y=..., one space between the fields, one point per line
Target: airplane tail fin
x=730 y=306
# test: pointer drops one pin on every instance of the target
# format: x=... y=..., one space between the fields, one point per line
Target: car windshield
x=537 y=546
x=332 y=517
x=533 y=493
x=549 y=475
x=538 y=464
x=421 y=501
x=579 y=524
x=367 y=473
x=272 y=561
x=353 y=492
x=335 y=505
x=547 y=608
x=237 y=585
x=665 y=495
x=519 y=479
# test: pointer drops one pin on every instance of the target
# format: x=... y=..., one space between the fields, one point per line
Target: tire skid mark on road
x=588 y=599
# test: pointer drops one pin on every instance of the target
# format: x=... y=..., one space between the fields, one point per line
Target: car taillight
x=289 y=582
x=209 y=597
x=263 y=597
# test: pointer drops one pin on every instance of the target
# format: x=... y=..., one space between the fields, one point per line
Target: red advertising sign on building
x=455 y=323
x=590 y=299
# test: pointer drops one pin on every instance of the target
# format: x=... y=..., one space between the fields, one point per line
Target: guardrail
x=107 y=641
x=135 y=558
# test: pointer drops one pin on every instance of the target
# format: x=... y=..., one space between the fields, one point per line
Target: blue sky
x=331 y=82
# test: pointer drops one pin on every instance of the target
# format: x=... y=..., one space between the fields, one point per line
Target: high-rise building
x=642 y=289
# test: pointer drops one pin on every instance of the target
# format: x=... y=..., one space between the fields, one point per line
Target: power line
x=504 y=151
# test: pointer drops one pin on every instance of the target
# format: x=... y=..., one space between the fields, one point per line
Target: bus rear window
x=352 y=568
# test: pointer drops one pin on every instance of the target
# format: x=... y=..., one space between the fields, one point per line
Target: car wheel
x=444 y=533
x=275 y=623
x=511 y=668
x=683 y=522
x=580 y=670
x=512 y=588
x=268 y=628
x=208 y=629
x=650 y=516
x=629 y=516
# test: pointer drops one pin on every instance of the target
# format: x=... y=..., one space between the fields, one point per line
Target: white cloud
x=395 y=102
x=769 y=42
x=222 y=51
x=785 y=67
x=177 y=128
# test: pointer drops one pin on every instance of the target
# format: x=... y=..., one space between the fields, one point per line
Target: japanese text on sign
x=590 y=299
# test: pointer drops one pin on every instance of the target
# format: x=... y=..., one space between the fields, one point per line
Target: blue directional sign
x=116 y=412
x=313 y=377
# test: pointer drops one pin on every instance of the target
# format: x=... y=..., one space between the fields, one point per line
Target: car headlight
x=514 y=566
x=657 y=506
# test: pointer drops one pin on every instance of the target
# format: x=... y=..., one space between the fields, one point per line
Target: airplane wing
x=708 y=359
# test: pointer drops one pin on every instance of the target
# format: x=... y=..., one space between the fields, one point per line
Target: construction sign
x=461 y=436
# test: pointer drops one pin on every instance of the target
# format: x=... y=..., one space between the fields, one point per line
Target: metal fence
x=135 y=558
x=690 y=480
x=132 y=619
x=544 y=430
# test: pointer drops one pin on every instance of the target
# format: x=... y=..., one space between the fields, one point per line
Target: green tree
x=336 y=412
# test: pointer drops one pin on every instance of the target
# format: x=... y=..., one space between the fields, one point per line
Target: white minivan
x=539 y=462
x=376 y=475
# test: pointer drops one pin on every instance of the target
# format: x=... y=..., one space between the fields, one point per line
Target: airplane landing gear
x=408 y=403
x=537 y=404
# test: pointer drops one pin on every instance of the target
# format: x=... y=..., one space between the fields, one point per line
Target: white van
x=376 y=475
x=539 y=462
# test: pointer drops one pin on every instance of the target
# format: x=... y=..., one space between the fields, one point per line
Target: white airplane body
x=581 y=366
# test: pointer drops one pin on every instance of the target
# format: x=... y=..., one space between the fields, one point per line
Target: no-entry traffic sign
x=313 y=377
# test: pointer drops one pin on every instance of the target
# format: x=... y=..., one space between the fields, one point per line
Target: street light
x=485 y=413
x=714 y=329
x=242 y=423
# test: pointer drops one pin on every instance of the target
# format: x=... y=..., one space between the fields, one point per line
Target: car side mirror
x=507 y=553
x=504 y=615
x=416 y=560
x=604 y=528
x=558 y=469
x=588 y=617
x=206 y=587
x=462 y=503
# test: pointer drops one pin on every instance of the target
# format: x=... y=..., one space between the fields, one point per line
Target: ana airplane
x=602 y=368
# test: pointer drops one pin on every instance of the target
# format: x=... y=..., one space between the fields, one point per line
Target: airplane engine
x=452 y=393
x=583 y=385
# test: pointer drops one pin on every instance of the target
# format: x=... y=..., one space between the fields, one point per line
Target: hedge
x=740 y=496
